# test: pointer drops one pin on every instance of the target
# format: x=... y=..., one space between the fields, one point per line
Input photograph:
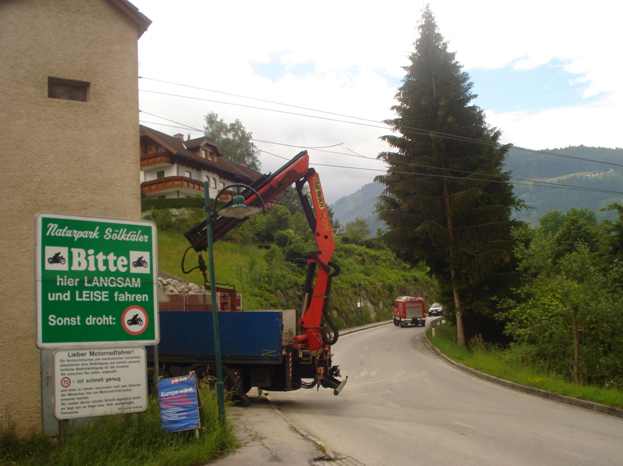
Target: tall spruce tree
x=447 y=200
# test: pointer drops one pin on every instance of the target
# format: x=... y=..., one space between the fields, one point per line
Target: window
x=203 y=153
x=213 y=183
x=221 y=185
x=211 y=156
x=160 y=175
x=189 y=175
x=150 y=148
x=67 y=89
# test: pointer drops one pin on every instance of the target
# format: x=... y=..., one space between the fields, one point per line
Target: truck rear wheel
x=233 y=384
x=242 y=400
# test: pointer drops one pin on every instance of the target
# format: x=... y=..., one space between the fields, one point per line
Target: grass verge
x=503 y=364
x=123 y=440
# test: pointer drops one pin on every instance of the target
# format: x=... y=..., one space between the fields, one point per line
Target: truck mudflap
x=289 y=368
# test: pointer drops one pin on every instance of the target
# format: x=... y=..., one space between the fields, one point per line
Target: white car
x=436 y=309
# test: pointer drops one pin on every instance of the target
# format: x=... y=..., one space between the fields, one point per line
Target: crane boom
x=268 y=186
x=313 y=341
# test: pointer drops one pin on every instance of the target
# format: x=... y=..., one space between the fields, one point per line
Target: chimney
x=179 y=136
x=243 y=165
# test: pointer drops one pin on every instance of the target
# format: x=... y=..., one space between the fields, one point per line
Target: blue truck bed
x=245 y=337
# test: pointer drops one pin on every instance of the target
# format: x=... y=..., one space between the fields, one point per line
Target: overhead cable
x=475 y=176
x=369 y=122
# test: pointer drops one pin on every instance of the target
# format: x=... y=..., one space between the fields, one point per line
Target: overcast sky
x=548 y=73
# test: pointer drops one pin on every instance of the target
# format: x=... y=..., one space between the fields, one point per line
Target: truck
x=409 y=310
x=274 y=350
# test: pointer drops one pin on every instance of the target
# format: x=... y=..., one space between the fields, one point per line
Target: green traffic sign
x=97 y=282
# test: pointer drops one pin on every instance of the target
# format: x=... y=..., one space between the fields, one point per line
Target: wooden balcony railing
x=171 y=183
x=156 y=159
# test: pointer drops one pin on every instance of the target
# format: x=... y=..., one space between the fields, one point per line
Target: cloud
x=560 y=127
x=346 y=58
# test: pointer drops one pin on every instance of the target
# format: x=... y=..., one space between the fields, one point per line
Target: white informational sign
x=99 y=381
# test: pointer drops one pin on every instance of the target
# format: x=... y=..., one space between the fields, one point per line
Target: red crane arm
x=268 y=186
x=313 y=336
x=316 y=301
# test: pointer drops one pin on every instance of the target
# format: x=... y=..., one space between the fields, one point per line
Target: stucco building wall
x=58 y=155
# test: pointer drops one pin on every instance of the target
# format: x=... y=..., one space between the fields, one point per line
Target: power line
x=374 y=124
x=549 y=185
x=369 y=122
x=257 y=99
x=534 y=183
x=519 y=181
x=183 y=126
x=163 y=124
x=264 y=109
x=529 y=182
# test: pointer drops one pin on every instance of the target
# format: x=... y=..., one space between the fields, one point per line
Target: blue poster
x=178 y=403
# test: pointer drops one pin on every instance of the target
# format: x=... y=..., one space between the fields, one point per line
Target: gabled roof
x=200 y=142
x=132 y=12
x=171 y=143
x=179 y=147
x=249 y=172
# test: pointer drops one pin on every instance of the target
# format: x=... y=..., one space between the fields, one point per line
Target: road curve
x=403 y=405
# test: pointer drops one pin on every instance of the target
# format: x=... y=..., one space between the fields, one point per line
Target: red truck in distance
x=409 y=310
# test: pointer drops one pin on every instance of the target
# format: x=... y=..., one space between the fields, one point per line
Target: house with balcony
x=172 y=167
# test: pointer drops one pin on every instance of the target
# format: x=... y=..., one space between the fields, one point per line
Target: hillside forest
x=266 y=259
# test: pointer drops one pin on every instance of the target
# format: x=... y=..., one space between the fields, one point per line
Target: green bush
x=567 y=316
x=175 y=220
x=517 y=364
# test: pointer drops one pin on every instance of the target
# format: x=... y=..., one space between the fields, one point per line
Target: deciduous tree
x=357 y=230
x=235 y=142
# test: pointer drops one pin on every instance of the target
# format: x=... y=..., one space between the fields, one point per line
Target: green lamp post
x=238 y=210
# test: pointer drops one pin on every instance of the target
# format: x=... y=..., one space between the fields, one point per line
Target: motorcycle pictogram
x=56 y=259
x=136 y=320
x=140 y=262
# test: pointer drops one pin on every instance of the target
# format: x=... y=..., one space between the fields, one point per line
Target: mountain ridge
x=588 y=168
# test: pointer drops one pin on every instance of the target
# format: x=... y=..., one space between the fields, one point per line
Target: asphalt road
x=403 y=405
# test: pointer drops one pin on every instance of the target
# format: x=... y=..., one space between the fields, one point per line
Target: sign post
x=96 y=282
